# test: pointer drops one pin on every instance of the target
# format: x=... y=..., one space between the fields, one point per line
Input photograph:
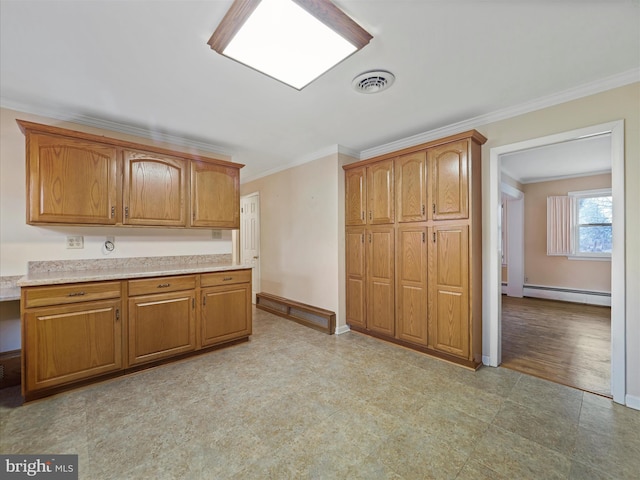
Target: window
x=593 y=213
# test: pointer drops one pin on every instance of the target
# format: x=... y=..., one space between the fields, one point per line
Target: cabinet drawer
x=161 y=285
x=225 y=278
x=77 y=292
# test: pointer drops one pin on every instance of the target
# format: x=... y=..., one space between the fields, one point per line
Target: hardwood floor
x=567 y=343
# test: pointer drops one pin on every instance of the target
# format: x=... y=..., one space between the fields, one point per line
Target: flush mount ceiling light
x=374 y=81
x=294 y=41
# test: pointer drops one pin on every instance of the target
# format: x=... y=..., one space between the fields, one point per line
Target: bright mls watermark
x=51 y=467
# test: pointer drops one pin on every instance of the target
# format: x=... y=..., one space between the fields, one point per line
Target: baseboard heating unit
x=307 y=315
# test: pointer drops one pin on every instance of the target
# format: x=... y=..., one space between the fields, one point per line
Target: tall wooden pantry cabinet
x=414 y=247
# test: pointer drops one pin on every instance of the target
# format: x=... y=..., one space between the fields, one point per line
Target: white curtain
x=560 y=225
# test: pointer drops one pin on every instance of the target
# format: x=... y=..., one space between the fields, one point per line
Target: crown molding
x=310 y=157
x=584 y=90
x=102 y=123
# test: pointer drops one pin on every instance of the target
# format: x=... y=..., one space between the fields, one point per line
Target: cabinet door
x=380 y=192
x=411 y=191
x=449 y=166
x=70 y=181
x=154 y=189
x=412 y=284
x=226 y=313
x=70 y=343
x=355 y=196
x=380 y=280
x=161 y=325
x=449 y=289
x=215 y=196
x=356 y=276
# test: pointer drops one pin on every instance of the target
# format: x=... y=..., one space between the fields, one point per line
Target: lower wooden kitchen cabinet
x=161 y=321
x=70 y=333
x=226 y=314
x=76 y=333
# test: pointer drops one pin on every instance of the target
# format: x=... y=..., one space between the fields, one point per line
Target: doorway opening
x=493 y=262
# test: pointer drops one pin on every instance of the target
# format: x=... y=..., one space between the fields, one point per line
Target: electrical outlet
x=216 y=234
x=76 y=241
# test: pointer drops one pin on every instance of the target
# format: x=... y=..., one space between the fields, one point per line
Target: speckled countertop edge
x=58 y=277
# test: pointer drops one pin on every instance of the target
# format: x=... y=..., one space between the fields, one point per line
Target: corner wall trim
x=632 y=402
x=342 y=329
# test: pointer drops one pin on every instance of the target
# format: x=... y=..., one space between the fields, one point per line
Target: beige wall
x=301 y=232
x=619 y=103
x=559 y=271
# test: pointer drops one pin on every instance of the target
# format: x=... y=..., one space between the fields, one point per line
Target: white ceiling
x=580 y=157
x=146 y=64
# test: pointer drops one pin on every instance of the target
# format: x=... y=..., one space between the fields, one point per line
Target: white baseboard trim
x=568 y=295
x=632 y=402
x=342 y=329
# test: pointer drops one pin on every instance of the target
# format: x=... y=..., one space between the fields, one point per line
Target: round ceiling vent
x=374 y=81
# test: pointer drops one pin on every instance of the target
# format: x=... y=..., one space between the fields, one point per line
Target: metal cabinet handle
x=76 y=294
x=126 y=212
x=164 y=285
x=226 y=279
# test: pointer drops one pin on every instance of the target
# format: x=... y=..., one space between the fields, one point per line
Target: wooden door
x=161 y=325
x=355 y=196
x=226 y=313
x=449 y=289
x=411 y=197
x=380 y=280
x=356 y=276
x=215 y=196
x=380 y=193
x=449 y=171
x=70 y=181
x=154 y=189
x=72 y=342
x=412 y=268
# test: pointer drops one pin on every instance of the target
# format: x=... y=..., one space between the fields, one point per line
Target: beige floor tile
x=547 y=428
x=515 y=457
x=297 y=403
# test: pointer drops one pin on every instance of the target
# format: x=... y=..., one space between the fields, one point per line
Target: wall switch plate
x=216 y=234
x=76 y=241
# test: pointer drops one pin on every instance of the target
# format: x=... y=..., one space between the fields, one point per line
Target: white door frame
x=492 y=317
x=515 y=240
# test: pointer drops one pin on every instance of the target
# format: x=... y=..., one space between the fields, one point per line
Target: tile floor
x=294 y=403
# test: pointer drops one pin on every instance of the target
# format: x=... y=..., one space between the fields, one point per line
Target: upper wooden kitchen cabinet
x=84 y=179
x=215 y=196
x=154 y=189
x=70 y=181
x=449 y=182
x=411 y=193
x=369 y=194
x=355 y=195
